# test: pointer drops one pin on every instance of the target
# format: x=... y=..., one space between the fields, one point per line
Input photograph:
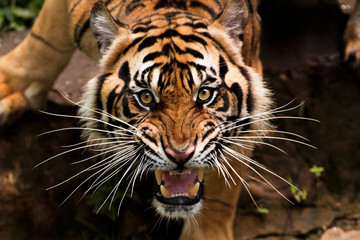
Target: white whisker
x=272 y=137
x=99 y=111
x=235 y=142
x=237 y=156
x=93 y=119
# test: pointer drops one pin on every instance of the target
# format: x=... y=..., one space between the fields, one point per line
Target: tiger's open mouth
x=179 y=188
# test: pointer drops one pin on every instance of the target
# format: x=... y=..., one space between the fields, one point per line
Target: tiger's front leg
x=28 y=71
x=352 y=37
x=216 y=218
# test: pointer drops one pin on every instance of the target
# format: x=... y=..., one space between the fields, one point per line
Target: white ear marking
x=234 y=17
x=103 y=26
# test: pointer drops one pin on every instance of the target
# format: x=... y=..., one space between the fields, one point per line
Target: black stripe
x=111 y=99
x=196 y=25
x=223 y=68
x=148 y=70
x=194 y=53
x=133 y=5
x=209 y=79
x=49 y=44
x=124 y=73
x=126 y=110
x=208 y=133
x=131 y=45
x=150 y=139
x=136 y=41
x=109 y=105
x=101 y=80
x=79 y=31
x=236 y=89
x=143 y=29
x=147 y=42
x=245 y=73
x=164 y=52
x=73 y=7
x=198 y=67
x=184 y=68
x=204 y=7
x=249 y=99
x=226 y=105
x=193 y=38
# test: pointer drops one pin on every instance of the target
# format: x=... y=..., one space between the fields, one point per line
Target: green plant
x=18 y=14
x=263 y=210
x=299 y=196
x=317 y=171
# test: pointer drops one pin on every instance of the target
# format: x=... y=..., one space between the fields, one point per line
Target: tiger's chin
x=178 y=194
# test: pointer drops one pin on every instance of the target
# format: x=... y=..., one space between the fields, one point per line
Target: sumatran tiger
x=179 y=94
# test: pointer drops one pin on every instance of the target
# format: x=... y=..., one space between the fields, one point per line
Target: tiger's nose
x=180 y=157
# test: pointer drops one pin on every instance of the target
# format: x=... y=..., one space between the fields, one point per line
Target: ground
x=302 y=53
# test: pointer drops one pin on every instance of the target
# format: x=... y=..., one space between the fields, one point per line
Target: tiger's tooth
x=200 y=174
x=158 y=176
x=165 y=191
x=194 y=189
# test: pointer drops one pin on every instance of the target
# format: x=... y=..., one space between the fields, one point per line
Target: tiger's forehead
x=169 y=19
x=174 y=54
x=173 y=77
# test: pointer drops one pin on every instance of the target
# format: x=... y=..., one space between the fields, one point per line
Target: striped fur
x=173 y=53
x=177 y=76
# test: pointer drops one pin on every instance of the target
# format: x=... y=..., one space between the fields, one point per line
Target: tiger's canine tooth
x=194 y=189
x=165 y=191
x=200 y=174
x=158 y=176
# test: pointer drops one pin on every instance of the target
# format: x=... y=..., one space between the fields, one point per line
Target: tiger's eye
x=146 y=97
x=204 y=94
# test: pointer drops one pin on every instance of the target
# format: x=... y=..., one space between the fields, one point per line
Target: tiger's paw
x=352 y=51
x=12 y=104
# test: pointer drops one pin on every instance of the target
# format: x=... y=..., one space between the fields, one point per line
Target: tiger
x=180 y=94
x=352 y=37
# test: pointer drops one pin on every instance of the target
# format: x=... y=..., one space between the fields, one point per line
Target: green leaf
x=317 y=171
x=263 y=210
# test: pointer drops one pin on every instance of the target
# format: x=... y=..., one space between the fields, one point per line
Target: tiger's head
x=172 y=86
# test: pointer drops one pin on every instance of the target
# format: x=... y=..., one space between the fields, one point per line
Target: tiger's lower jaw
x=179 y=194
x=177 y=211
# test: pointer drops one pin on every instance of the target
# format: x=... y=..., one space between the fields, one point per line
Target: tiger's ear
x=104 y=27
x=234 y=17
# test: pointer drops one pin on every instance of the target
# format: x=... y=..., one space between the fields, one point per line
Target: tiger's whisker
x=237 y=156
x=122 y=139
x=236 y=142
x=266 y=113
x=92 y=119
x=92 y=167
x=82 y=128
x=72 y=150
x=99 y=111
x=224 y=171
x=119 y=163
x=226 y=128
x=275 y=138
x=244 y=183
x=273 y=131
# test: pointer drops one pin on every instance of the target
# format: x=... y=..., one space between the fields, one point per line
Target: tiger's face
x=171 y=85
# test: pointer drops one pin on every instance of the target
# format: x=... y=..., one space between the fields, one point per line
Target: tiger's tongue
x=180 y=183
